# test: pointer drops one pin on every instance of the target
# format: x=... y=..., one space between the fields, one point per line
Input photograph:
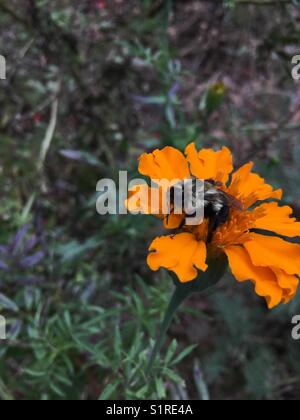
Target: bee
x=215 y=202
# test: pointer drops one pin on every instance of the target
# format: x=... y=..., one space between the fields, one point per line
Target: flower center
x=235 y=231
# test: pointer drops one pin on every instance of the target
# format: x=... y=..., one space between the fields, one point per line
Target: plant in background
x=20 y=253
x=79 y=319
x=239 y=235
x=213 y=98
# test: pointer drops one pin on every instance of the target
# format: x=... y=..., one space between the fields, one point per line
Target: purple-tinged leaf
x=15 y=329
x=17 y=240
x=71 y=154
x=30 y=244
x=3 y=266
x=149 y=100
x=29 y=281
x=7 y=303
x=3 y=250
x=81 y=156
x=173 y=91
x=33 y=260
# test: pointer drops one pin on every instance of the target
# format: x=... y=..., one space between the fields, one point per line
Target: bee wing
x=233 y=202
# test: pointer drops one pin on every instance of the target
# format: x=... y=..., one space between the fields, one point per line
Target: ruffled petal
x=288 y=283
x=270 y=216
x=181 y=253
x=270 y=251
x=208 y=164
x=168 y=163
x=263 y=277
x=249 y=187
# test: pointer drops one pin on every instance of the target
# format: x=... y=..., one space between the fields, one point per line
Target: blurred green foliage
x=128 y=76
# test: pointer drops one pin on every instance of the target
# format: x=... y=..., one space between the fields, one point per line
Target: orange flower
x=271 y=263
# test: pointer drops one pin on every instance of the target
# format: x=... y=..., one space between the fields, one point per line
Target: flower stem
x=179 y=295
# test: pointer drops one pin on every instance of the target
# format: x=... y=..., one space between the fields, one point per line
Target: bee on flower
x=243 y=221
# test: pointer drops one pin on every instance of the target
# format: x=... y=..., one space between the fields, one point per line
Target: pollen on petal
x=235 y=231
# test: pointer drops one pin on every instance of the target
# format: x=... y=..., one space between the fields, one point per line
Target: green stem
x=216 y=270
x=179 y=295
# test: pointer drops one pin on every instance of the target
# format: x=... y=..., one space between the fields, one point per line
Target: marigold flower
x=249 y=237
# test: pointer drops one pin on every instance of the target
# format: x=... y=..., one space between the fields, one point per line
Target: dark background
x=90 y=86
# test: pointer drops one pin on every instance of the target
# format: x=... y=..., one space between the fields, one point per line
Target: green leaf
x=117 y=343
x=7 y=303
x=108 y=391
x=160 y=388
x=57 y=390
x=171 y=352
x=213 y=98
x=183 y=354
x=74 y=249
x=179 y=295
x=34 y=373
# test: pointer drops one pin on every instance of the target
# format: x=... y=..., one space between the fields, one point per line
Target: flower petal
x=263 y=277
x=269 y=251
x=173 y=221
x=181 y=253
x=143 y=199
x=288 y=283
x=146 y=200
x=249 y=187
x=208 y=164
x=270 y=216
x=168 y=163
